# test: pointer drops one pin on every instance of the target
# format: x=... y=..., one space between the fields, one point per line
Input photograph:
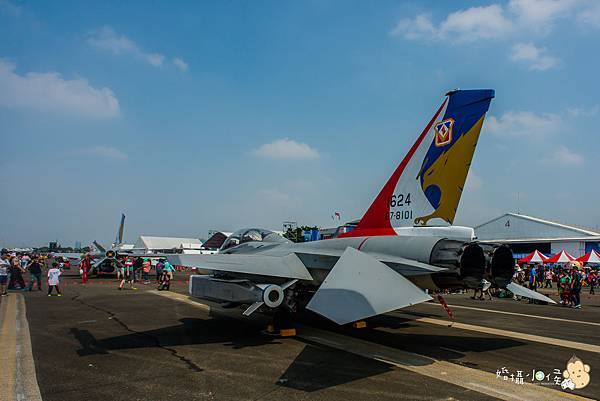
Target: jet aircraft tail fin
x=426 y=187
x=119 y=239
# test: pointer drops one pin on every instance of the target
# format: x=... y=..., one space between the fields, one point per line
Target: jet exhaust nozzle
x=472 y=265
x=502 y=266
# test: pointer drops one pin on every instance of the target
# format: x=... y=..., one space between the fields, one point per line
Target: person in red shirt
x=85 y=266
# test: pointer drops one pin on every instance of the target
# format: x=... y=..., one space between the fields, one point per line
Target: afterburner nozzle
x=472 y=265
x=502 y=266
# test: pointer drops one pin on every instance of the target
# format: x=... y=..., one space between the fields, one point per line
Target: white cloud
x=564 y=156
x=540 y=15
x=535 y=57
x=579 y=111
x=517 y=19
x=179 y=63
x=590 y=16
x=286 y=149
x=105 y=152
x=487 y=22
x=524 y=124
x=50 y=92
x=107 y=39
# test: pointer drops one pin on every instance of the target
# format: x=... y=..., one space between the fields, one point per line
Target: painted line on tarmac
x=18 y=381
x=503 y=333
x=472 y=379
x=558 y=319
x=461 y=376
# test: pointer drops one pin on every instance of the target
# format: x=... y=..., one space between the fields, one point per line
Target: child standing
x=53 y=279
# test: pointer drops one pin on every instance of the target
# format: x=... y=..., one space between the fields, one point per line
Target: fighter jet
x=109 y=255
x=404 y=245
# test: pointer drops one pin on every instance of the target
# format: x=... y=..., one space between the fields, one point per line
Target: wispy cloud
x=179 y=63
x=541 y=15
x=590 y=16
x=107 y=39
x=472 y=24
x=286 y=149
x=536 y=58
x=519 y=20
x=496 y=21
x=565 y=156
x=49 y=91
x=581 y=111
x=107 y=152
x=524 y=124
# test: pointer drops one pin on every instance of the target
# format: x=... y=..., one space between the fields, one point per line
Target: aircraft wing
x=288 y=266
x=360 y=286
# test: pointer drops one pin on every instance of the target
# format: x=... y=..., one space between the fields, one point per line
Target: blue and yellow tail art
x=446 y=165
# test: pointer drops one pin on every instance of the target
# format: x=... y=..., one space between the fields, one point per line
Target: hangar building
x=524 y=234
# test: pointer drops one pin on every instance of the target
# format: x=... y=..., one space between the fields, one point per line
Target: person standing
x=533 y=283
x=85 y=265
x=35 y=273
x=146 y=266
x=137 y=267
x=548 y=277
x=54 y=279
x=592 y=281
x=128 y=277
x=576 y=289
x=159 y=270
x=4 y=267
x=168 y=271
x=16 y=274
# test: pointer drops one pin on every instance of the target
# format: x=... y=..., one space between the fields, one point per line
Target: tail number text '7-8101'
x=402 y=201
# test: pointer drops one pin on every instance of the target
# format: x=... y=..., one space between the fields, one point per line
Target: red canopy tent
x=534 y=257
x=590 y=257
x=561 y=257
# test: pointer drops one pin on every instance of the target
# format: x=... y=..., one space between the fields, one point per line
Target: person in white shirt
x=4 y=267
x=54 y=279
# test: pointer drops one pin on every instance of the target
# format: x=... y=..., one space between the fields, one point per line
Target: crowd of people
x=570 y=280
x=23 y=271
x=15 y=268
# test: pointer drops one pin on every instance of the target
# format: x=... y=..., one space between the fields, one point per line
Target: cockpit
x=251 y=235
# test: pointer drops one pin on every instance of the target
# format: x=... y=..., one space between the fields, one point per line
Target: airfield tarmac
x=98 y=343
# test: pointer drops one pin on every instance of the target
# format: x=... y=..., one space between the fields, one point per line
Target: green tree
x=297 y=235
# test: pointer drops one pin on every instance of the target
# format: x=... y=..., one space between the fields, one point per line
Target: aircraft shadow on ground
x=316 y=367
x=451 y=346
x=189 y=332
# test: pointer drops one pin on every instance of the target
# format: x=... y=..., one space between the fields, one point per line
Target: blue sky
x=191 y=116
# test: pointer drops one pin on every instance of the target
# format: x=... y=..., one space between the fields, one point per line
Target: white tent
x=157 y=244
